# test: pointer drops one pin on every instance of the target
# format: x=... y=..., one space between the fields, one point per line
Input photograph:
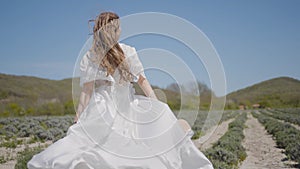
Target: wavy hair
x=106 y=48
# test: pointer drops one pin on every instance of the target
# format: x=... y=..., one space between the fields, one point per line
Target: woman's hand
x=84 y=99
x=75 y=119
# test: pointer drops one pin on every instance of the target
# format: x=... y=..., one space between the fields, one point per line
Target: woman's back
x=116 y=128
x=92 y=71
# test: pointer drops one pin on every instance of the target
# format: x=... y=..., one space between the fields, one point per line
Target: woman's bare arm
x=146 y=87
x=84 y=99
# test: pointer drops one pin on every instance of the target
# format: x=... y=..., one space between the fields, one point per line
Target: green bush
x=197 y=135
x=2 y=159
x=222 y=155
x=228 y=151
x=13 y=143
x=288 y=115
x=24 y=156
x=286 y=136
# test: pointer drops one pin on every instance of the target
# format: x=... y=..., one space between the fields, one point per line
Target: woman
x=114 y=128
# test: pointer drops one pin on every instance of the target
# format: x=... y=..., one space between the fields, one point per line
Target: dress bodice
x=121 y=93
x=93 y=72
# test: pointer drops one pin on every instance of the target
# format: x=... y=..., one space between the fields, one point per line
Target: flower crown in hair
x=91 y=31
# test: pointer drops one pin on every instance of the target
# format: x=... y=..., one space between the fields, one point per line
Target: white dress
x=121 y=130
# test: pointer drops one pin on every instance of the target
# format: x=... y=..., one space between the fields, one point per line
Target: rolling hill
x=277 y=92
x=27 y=95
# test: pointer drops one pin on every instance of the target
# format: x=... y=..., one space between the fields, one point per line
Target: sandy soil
x=261 y=149
x=208 y=139
x=8 y=165
x=12 y=153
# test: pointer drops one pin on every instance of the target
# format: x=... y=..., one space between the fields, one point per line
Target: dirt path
x=12 y=152
x=8 y=165
x=207 y=140
x=261 y=148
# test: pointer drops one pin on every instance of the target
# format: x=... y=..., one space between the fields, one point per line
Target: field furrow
x=212 y=136
x=261 y=148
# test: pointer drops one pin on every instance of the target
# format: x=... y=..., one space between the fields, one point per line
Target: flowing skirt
x=123 y=133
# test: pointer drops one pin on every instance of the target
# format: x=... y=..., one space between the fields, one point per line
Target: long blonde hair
x=105 y=46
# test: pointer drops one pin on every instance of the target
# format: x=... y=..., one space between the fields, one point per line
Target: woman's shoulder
x=88 y=60
x=125 y=46
x=127 y=49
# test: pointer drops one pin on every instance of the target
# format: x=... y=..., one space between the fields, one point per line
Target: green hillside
x=27 y=95
x=277 y=92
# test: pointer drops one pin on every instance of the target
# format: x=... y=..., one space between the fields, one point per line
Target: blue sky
x=256 y=40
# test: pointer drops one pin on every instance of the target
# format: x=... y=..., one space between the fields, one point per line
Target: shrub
x=24 y=156
x=286 y=136
x=228 y=151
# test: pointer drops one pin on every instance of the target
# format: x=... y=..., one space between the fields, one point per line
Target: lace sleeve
x=89 y=71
